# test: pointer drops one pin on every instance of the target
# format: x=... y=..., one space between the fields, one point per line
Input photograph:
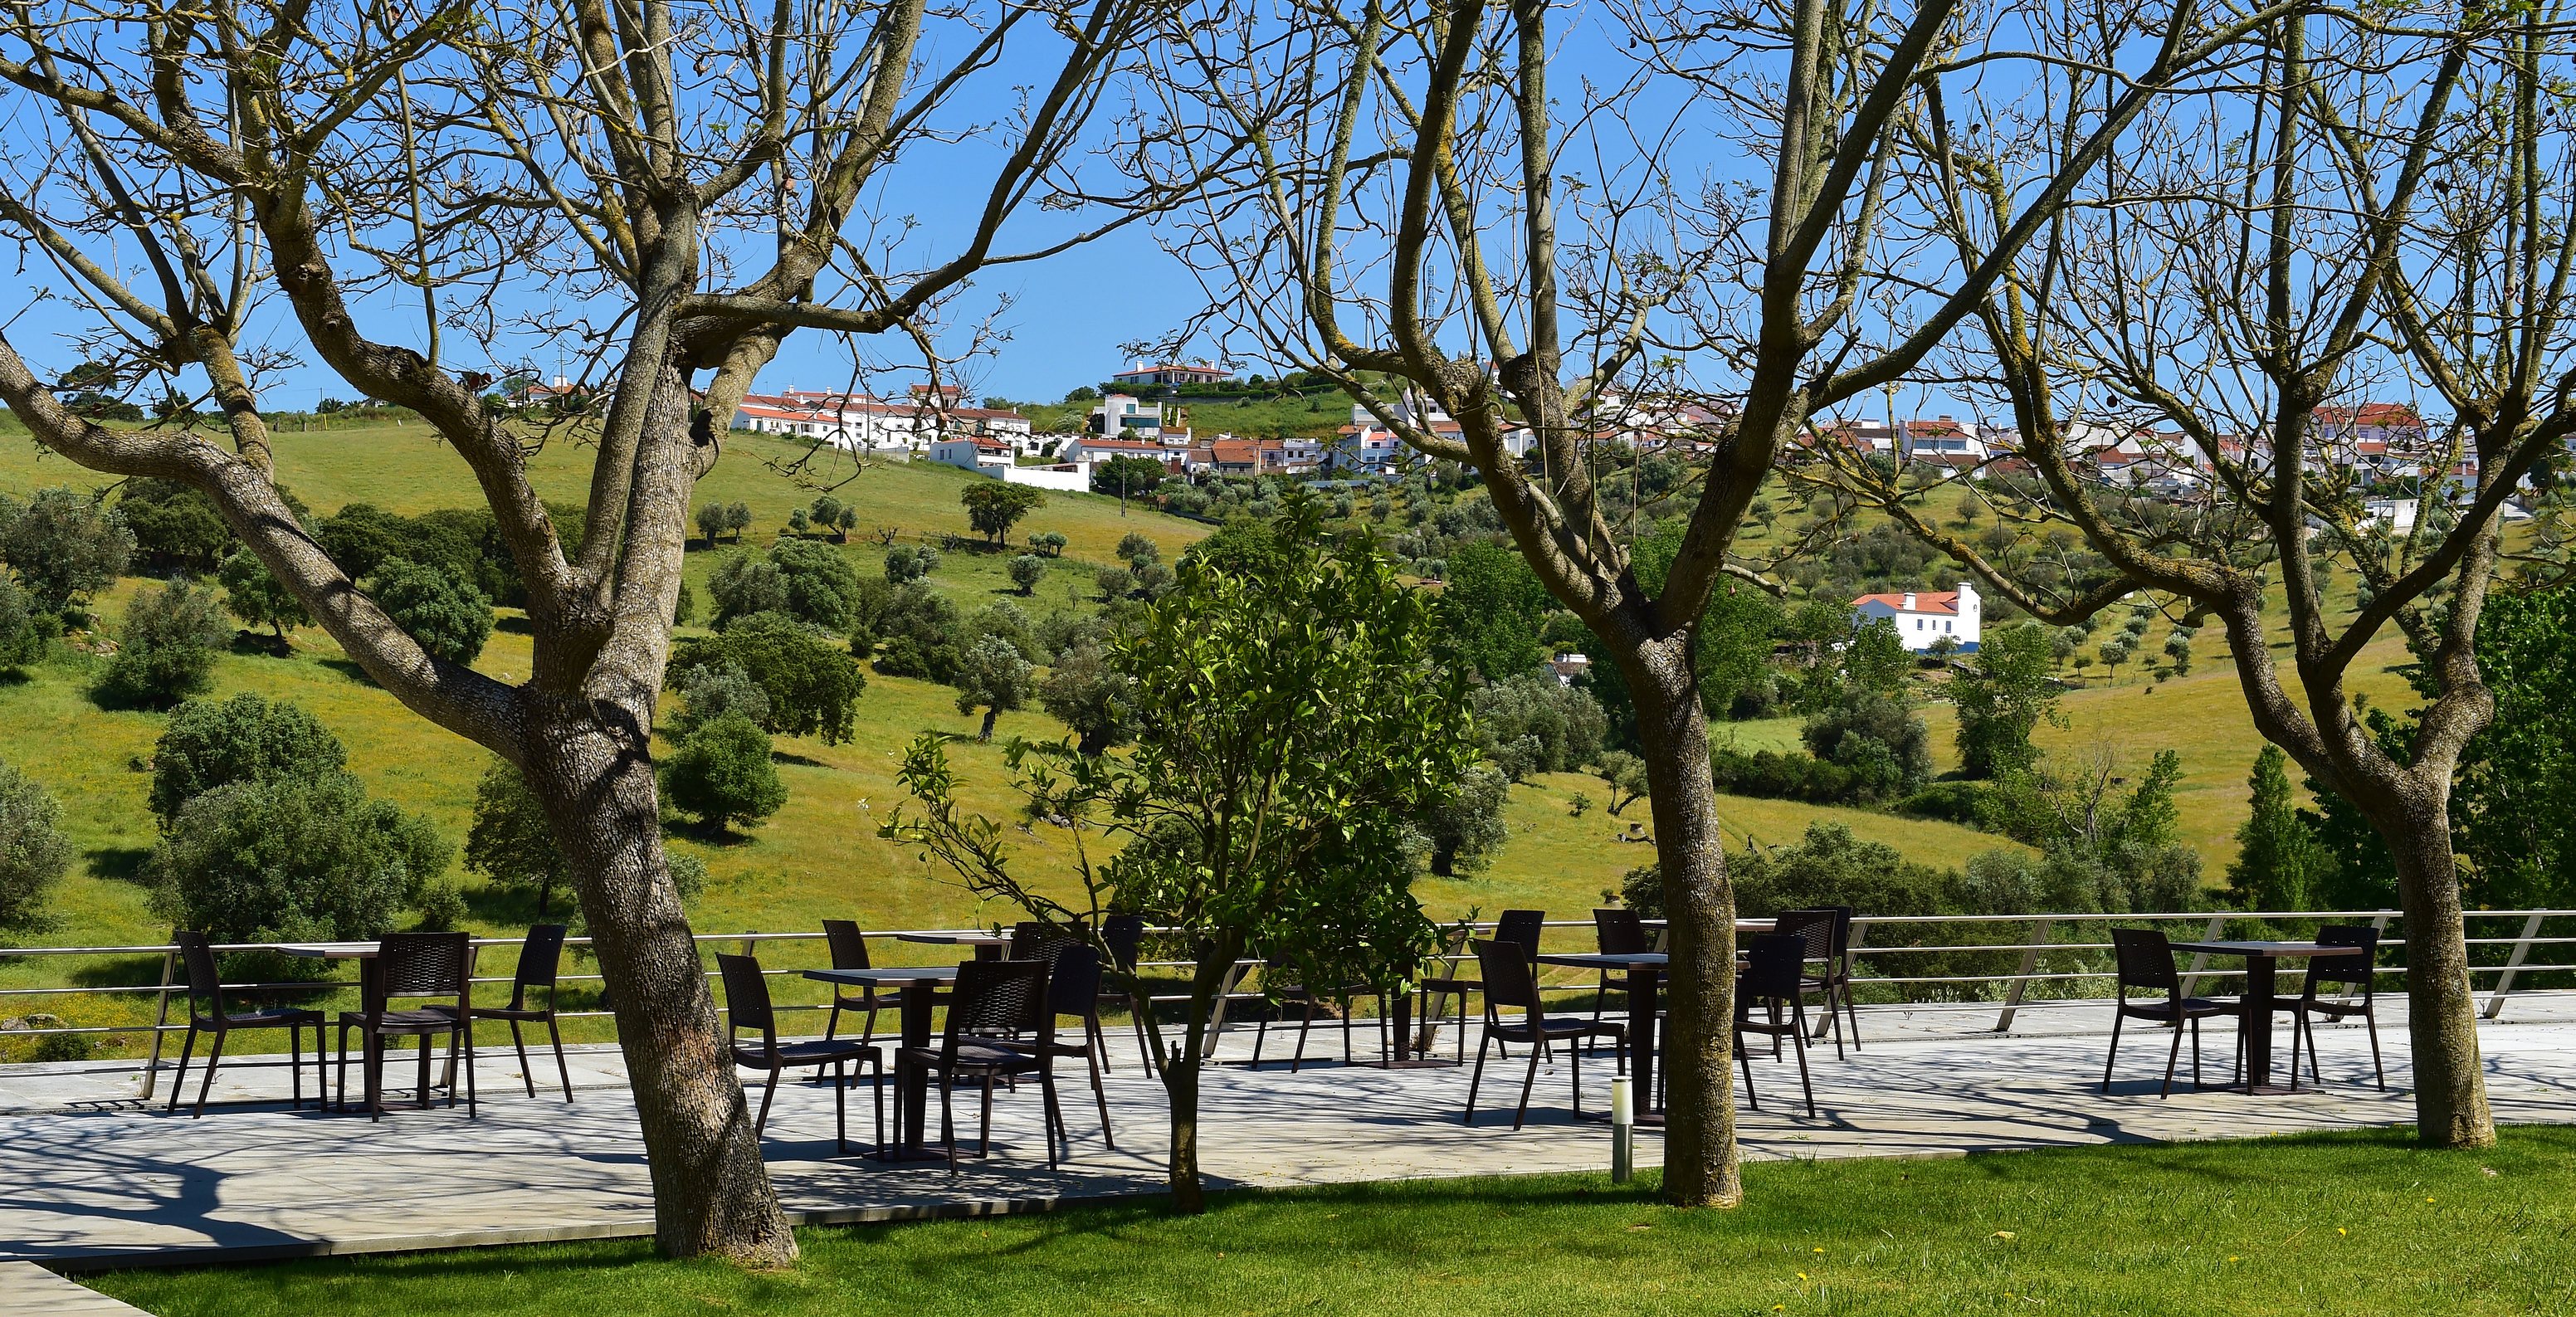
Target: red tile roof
x=1946 y=601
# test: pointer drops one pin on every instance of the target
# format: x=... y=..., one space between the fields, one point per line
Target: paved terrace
x=98 y=1180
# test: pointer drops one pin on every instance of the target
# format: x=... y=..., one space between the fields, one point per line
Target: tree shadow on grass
x=118 y=972
x=124 y=863
x=349 y=668
x=782 y=757
x=705 y=834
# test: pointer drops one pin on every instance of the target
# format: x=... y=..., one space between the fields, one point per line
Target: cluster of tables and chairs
x=2342 y=959
x=435 y=971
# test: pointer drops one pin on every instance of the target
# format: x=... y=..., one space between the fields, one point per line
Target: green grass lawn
x=2334 y=1224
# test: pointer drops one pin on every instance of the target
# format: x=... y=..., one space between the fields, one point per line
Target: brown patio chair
x=1073 y=988
x=747 y=1007
x=2146 y=964
x=1509 y=982
x=413 y=965
x=1817 y=929
x=1524 y=928
x=539 y=959
x=1446 y=984
x=1774 y=978
x=993 y=1000
x=2349 y=972
x=849 y=949
x=1125 y=936
x=1618 y=931
x=206 y=1014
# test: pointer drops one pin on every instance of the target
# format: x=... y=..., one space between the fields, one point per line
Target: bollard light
x=1623 y=1131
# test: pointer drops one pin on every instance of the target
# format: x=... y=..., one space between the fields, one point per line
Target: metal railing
x=2012 y=989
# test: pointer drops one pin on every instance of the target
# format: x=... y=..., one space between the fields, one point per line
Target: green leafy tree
x=1048 y=543
x=1534 y=723
x=1085 y=691
x=993 y=678
x=63 y=544
x=510 y=841
x=711 y=522
x=1878 y=738
x=34 y=853
x=2279 y=864
x=248 y=738
x=905 y=563
x=711 y=690
x=822 y=587
x=1737 y=629
x=166 y=649
x=2513 y=797
x=1026 y=571
x=1127 y=475
x=827 y=512
x=1494 y=608
x=811 y=685
x=451 y=619
x=1292 y=726
x=722 y=774
x=922 y=636
x=255 y=595
x=1625 y=775
x=293 y=861
x=994 y=506
x=1465 y=833
x=2178 y=649
x=2003 y=693
x=737 y=518
x=743 y=585
x=797 y=524
x=1136 y=549
x=176 y=528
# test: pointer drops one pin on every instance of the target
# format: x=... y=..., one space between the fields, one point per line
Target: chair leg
x=1094 y=1058
x=527 y=1073
x=1744 y=1058
x=2117 y=1018
x=1527 y=1081
x=2171 y=1058
x=214 y=1055
x=2195 y=1054
x=832 y=1022
x=840 y=1106
x=465 y=1038
x=1302 y=1026
x=877 y=1089
x=295 y=1064
x=948 y=1119
x=2369 y=1017
x=1096 y=1037
x=1054 y=1113
x=768 y=1091
x=1799 y=1040
x=984 y=1135
x=1483 y=1045
x=2298 y=1027
x=182 y=1080
x=1346 y=1030
x=562 y=1068
x=1850 y=1008
x=1574 y=1068
x=1260 y=1035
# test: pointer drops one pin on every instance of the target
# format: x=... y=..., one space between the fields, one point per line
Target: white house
x=1922 y=620
x=989 y=455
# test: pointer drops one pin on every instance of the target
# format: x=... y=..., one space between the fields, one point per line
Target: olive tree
x=699 y=179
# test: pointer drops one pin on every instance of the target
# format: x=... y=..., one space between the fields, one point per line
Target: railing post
x=1216 y=1017
x=2504 y=983
x=2200 y=959
x=2029 y=966
x=152 y=1068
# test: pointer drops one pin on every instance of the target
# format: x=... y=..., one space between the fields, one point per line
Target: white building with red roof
x=1924 y=619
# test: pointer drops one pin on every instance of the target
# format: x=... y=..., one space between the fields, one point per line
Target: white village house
x=1922 y=619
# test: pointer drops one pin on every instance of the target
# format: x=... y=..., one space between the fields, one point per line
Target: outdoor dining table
x=1645 y=971
x=2256 y=1022
x=988 y=946
x=369 y=988
x=917 y=984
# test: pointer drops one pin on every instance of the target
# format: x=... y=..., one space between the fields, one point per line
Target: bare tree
x=693 y=177
x=2396 y=210
x=1672 y=250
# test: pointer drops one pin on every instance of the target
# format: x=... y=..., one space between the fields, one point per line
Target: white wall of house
x=1924 y=620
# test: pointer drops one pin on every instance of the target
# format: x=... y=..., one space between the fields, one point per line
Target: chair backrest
x=1509 y=981
x=1814 y=928
x=1125 y=935
x=196 y=952
x=747 y=1000
x=540 y=960
x=1773 y=963
x=1035 y=940
x=849 y=946
x=1842 y=929
x=1073 y=986
x=2354 y=971
x=1622 y=932
x=1523 y=928
x=423 y=964
x=999 y=999
x=2146 y=961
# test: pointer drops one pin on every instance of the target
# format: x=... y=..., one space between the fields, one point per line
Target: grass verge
x=2360 y=1222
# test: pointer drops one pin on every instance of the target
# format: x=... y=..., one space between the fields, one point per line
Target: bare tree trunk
x=2441 y=1006
x=1701 y=1161
x=711 y=1192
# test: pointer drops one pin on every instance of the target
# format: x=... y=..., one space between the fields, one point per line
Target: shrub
x=243 y=739
x=822 y=587
x=1026 y=571
x=905 y=563
x=1533 y=723
x=743 y=585
x=33 y=851
x=811 y=686
x=922 y=636
x=511 y=841
x=712 y=690
x=722 y=774
x=255 y=595
x=61 y=544
x=166 y=650
x=22 y=633
x=1886 y=749
x=290 y=861
x=451 y=619
x=1048 y=543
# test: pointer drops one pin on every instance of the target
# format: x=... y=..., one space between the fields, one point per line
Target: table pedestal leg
x=912 y=1082
x=1404 y=1057
x=2259 y=982
x=1643 y=982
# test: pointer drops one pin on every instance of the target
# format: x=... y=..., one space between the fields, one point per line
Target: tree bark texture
x=2441 y=1005
x=1702 y=1165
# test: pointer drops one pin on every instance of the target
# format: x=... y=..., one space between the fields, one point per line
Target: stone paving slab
x=99 y=1183
x=27 y=1290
